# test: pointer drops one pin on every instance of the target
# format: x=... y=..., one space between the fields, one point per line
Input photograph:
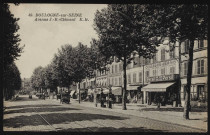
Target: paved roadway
x=46 y=115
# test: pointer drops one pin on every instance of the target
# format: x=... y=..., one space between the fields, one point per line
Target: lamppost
x=95 y=96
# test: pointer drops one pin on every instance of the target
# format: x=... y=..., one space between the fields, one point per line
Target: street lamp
x=95 y=85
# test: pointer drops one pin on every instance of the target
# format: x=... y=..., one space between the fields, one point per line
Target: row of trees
x=70 y=64
x=10 y=50
x=124 y=31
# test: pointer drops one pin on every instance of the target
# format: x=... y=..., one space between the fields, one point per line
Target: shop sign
x=160 y=64
x=163 y=78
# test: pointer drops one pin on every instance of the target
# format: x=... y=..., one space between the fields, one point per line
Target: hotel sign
x=163 y=78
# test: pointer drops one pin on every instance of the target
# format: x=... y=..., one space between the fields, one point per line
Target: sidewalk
x=197 y=120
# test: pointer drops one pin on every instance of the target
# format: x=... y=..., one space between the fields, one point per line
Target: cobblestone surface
x=49 y=115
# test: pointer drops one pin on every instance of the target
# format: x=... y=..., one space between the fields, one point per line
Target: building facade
x=147 y=78
x=199 y=84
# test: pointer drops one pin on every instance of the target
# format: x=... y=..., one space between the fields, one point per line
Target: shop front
x=164 y=92
x=134 y=94
x=117 y=91
x=198 y=91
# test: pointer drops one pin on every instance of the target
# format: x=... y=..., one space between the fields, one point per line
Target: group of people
x=109 y=99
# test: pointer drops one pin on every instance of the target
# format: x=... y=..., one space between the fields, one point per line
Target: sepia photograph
x=104 y=67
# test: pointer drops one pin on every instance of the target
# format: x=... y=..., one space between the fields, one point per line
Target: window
x=200 y=92
x=154 y=72
x=162 y=54
x=134 y=78
x=140 y=77
x=142 y=61
x=147 y=61
x=172 y=70
x=112 y=81
x=120 y=81
x=200 y=44
x=185 y=89
x=115 y=68
x=147 y=75
x=129 y=78
x=163 y=71
x=185 y=68
x=200 y=67
x=172 y=52
x=116 y=81
x=186 y=45
x=120 y=67
x=154 y=58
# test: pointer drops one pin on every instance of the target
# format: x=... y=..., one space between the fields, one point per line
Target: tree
x=80 y=64
x=180 y=23
x=37 y=79
x=50 y=82
x=123 y=31
x=12 y=81
x=10 y=47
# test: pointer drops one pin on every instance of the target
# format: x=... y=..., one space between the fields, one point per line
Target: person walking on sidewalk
x=102 y=98
x=111 y=98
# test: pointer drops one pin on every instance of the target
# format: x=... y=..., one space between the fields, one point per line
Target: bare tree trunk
x=125 y=85
x=189 y=76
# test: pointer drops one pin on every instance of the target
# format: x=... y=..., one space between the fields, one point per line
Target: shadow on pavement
x=45 y=109
x=110 y=129
x=37 y=105
x=55 y=118
x=174 y=109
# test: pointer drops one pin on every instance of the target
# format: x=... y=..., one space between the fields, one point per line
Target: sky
x=43 y=38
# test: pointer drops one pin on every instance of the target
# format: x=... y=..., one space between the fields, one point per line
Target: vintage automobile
x=58 y=96
x=65 y=97
x=40 y=95
x=30 y=96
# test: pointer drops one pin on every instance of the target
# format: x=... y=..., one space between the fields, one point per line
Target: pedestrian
x=110 y=99
x=102 y=99
x=44 y=96
x=107 y=100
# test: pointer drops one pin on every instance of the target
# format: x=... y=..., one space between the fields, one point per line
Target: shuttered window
x=162 y=54
x=185 y=68
x=140 y=77
x=200 y=67
x=134 y=78
x=200 y=44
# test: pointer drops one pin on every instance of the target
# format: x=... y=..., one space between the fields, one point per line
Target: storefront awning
x=132 y=87
x=117 y=91
x=90 y=91
x=158 y=87
x=105 y=91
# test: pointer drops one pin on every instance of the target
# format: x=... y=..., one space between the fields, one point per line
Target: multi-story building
x=161 y=74
x=114 y=78
x=199 y=85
